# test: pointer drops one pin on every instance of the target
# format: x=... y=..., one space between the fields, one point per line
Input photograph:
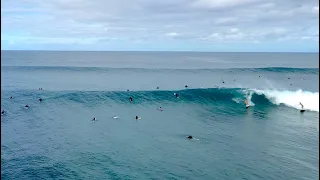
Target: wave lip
x=256 y=97
x=310 y=100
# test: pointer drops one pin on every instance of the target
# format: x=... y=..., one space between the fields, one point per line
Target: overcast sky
x=174 y=25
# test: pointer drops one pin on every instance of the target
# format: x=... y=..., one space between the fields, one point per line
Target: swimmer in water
x=40 y=100
x=160 y=109
x=131 y=99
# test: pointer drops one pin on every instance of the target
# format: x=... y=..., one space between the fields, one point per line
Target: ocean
x=57 y=139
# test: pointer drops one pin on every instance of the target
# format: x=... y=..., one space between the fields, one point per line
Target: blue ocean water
x=57 y=139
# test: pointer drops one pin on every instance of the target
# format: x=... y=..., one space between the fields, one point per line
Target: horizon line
x=172 y=51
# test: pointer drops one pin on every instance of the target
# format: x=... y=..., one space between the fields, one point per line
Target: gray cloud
x=144 y=20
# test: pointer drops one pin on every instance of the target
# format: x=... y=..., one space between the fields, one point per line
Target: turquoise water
x=57 y=139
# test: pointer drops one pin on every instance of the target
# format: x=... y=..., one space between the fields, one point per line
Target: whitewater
x=57 y=139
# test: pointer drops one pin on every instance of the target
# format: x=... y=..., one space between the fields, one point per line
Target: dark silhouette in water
x=131 y=99
x=27 y=106
x=127 y=89
x=3 y=112
x=40 y=99
x=157 y=87
x=176 y=94
x=190 y=137
x=94 y=119
x=11 y=97
x=186 y=86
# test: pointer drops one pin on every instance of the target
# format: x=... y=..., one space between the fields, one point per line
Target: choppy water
x=56 y=139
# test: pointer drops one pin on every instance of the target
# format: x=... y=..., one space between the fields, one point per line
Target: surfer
x=11 y=97
x=94 y=119
x=302 y=110
x=127 y=89
x=176 y=95
x=190 y=137
x=158 y=87
x=27 y=106
x=160 y=109
x=247 y=104
x=40 y=100
x=131 y=99
x=222 y=81
x=3 y=112
x=186 y=86
x=137 y=118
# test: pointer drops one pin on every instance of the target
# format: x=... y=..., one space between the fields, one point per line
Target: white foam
x=310 y=100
